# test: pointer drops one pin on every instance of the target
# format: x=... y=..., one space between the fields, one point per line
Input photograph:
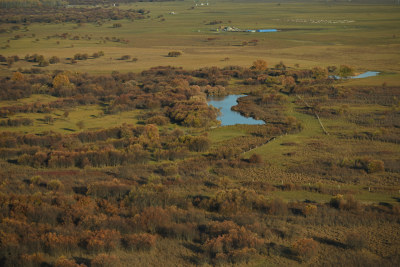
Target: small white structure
x=203 y=4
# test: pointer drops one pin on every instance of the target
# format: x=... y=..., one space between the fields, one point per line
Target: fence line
x=315 y=113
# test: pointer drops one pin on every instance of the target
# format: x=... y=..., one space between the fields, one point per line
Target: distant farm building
x=234 y=29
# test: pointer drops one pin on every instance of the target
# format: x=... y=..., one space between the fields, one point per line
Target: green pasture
x=225 y=133
x=30 y=100
x=91 y=116
x=360 y=194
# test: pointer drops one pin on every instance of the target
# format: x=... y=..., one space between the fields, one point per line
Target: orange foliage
x=64 y=262
x=102 y=240
x=104 y=260
x=305 y=248
x=139 y=241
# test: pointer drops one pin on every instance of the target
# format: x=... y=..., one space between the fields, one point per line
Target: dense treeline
x=61 y=3
x=68 y=14
x=97 y=2
x=30 y=3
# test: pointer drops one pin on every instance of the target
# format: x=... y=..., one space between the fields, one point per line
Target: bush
x=55 y=185
x=310 y=209
x=64 y=262
x=256 y=159
x=345 y=71
x=43 y=63
x=305 y=248
x=36 y=180
x=369 y=165
x=199 y=144
x=239 y=244
x=105 y=260
x=125 y=57
x=81 y=56
x=139 y=241
x=355 y=240
x=336 y=201
x=259 y=65
x=103 y=240
x=375 y=166
x=158 y=120
x=54 y=60
x=348 y=203
x=174 y=54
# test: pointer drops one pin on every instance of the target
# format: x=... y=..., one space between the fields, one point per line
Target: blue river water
x=228 y=116
x=359 y=76
x=366 y=74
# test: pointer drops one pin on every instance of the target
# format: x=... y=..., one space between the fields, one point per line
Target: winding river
x=228 y=116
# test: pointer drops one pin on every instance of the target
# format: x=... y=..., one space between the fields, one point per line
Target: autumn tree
x=305 y=248
x=259 y=65
x=54 y=60
x=60 y=80
x=199 y=143
x=174 y=54
x=345 y=71
x=256 y=159
x=320 y=73
x=139 y=241
x=17 y=76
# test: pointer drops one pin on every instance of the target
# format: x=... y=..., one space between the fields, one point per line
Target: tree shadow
x=12 y=161
x=68 y=129
x=196 y=248
x=199 y=258
x=329 y=241
x=82 y=190
x=85 y=261
x=281 y=250
x=388 y=205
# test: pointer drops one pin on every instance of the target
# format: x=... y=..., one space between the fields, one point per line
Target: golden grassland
x=313 y=34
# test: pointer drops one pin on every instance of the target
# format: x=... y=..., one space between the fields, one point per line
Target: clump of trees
x=345 y=71
x=174 y=54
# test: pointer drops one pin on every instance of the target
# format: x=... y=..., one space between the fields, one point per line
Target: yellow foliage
x=60 y=80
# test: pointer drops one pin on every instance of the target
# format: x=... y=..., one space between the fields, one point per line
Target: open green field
x=90 y=117
x=312 y=34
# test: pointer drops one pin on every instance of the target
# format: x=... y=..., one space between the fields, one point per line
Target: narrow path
x=315 y=113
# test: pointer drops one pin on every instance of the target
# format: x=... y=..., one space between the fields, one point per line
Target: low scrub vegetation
x=169 y=179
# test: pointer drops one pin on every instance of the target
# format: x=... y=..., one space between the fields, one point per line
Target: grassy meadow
x=312 y=34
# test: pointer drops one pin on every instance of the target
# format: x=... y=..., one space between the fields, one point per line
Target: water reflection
x=366 y=74
x=228 y=116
